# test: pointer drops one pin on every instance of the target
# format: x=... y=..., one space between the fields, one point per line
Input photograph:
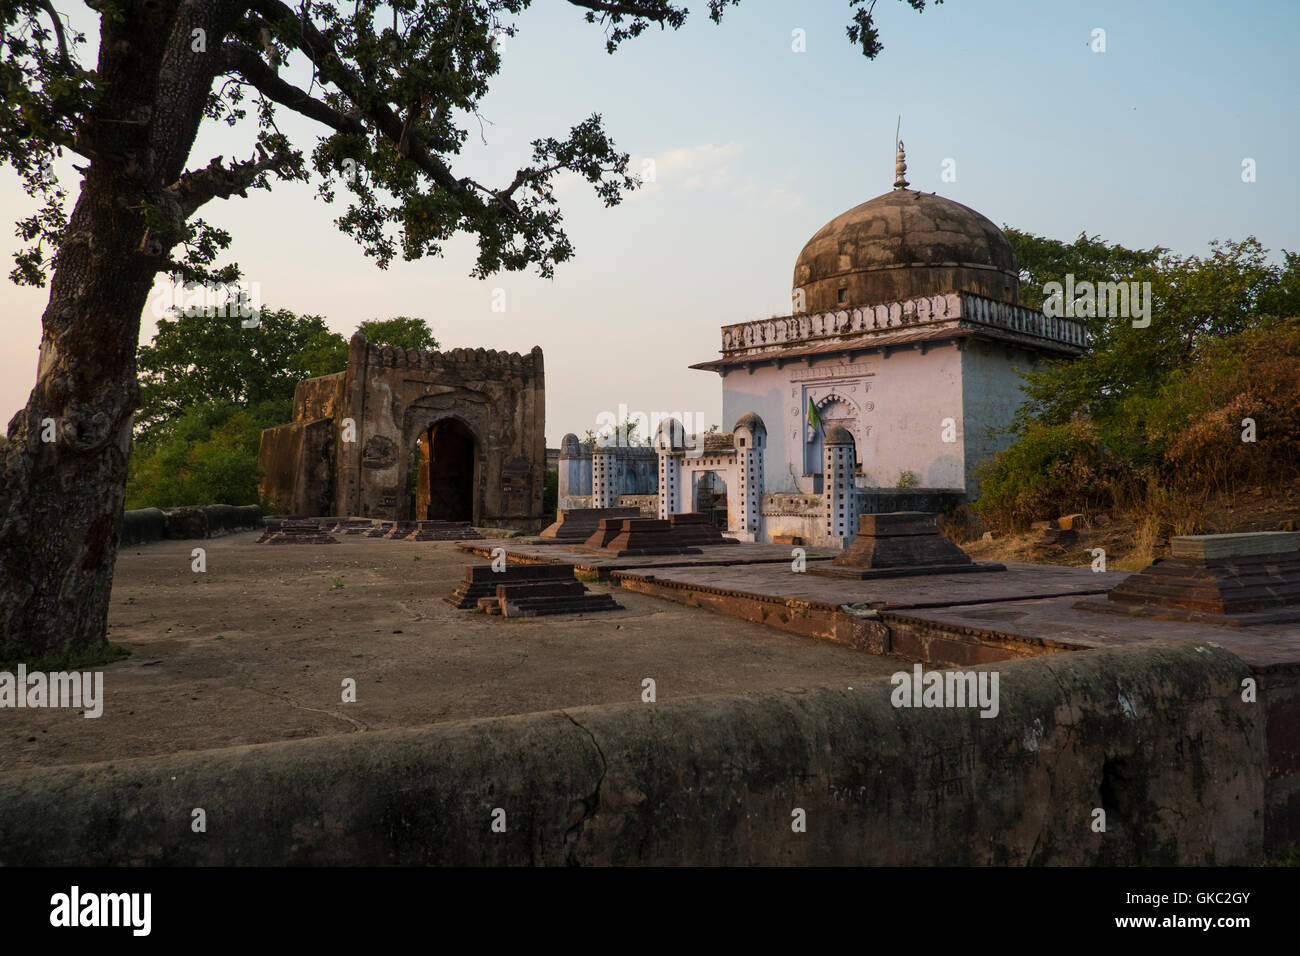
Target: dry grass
x=1132 y=541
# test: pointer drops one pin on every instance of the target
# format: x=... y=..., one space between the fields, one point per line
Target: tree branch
x=321 y=52
x=244 y=60
x=217 y=181
x=656 y=13
x=64 y=61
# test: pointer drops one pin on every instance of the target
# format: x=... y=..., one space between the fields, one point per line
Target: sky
x=756 y=145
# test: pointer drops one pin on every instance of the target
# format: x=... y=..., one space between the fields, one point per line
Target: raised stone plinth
x=692 y=529
x=535 y=599
x=1210 y=546
x=900 y=543
x=528 y=590
x=297 y=532
x=1233 y=579
x=637 y=536
x=481 y=581
x=351 y=526
x=443 y=531
x=379 y=529
x=576 y=525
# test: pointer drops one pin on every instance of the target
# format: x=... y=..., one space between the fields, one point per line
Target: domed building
x=901 y=245
x=906 y=336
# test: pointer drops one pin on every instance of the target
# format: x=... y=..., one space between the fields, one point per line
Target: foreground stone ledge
x=1158 y=736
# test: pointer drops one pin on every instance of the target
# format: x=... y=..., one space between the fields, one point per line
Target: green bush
x=208 y=455
x=1050 y=468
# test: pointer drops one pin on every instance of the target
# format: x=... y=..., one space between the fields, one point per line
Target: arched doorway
x=445 y=484
x=832 y=410
x=710 y=498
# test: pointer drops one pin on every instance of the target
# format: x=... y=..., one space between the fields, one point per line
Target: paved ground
x=256 y=648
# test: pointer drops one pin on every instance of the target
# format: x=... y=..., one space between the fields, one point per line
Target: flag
x=814 y=420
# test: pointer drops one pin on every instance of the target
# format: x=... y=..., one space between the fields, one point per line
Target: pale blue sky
x=757 y=146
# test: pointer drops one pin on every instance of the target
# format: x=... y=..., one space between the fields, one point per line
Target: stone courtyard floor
x=256 y=648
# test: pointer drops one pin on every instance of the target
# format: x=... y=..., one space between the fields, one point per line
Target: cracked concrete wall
x=1156 y=736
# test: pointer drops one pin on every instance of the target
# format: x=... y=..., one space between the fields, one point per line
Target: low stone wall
x=208 y=521
x=1156 y=736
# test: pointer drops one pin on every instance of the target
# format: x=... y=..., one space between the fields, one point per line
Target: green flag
x=814 y=419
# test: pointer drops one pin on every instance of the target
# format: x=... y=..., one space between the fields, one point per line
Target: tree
x=1153 y=411
x=195 y=359
x=401 y=332
x=394 y=86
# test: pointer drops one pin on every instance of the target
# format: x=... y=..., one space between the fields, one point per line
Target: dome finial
x=900 y=160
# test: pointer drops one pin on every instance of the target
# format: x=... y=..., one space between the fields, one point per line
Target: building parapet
x=389 y=357
x=763 y=334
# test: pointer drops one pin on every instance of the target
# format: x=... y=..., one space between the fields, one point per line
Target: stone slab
x=1059 y=620
x=1210 y=546
x=779 y=583
x=862 y=574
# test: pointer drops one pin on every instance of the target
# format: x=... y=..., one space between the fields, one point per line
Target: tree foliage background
x=209 y=388
x=1152 y=417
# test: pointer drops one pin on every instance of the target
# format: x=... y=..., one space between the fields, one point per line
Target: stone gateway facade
x=407 y=435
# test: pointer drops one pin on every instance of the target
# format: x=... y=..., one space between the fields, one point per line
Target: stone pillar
x=750 y=437
x=350 y=436
x=604 y=477
x=575 y=479
x=837 y=486
x=668 y=445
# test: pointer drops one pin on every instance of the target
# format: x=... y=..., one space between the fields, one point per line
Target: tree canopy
x=1151 y=417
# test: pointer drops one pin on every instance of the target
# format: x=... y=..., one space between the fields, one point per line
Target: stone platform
x=351 y=525
x=637 y=537
x=900 y=544
x=1236 y=580
x=291 y=531
x=527 y=591
x=443 y=531
x=838 y=608
x=602 y=563
x=576 y=525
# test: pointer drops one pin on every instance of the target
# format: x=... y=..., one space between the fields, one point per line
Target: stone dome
x=751 y=421
x=901 y=245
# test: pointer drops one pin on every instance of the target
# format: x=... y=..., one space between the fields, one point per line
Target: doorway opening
x=448 y=456
x=710 y=498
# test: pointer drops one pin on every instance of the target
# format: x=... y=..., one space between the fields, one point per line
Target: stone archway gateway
x=471 y=422
x=710 y=497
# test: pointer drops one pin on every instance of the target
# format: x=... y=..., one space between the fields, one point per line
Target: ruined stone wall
x=1156 y=736
x=396 y=395
x=319 y=397
x=297 y=462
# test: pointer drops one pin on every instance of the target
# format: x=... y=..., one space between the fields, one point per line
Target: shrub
x=1051 y=468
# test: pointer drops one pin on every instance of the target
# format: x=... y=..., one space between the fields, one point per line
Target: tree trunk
x=63 y=465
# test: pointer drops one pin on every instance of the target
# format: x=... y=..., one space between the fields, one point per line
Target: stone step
x=538 y=607
x=482 y=582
